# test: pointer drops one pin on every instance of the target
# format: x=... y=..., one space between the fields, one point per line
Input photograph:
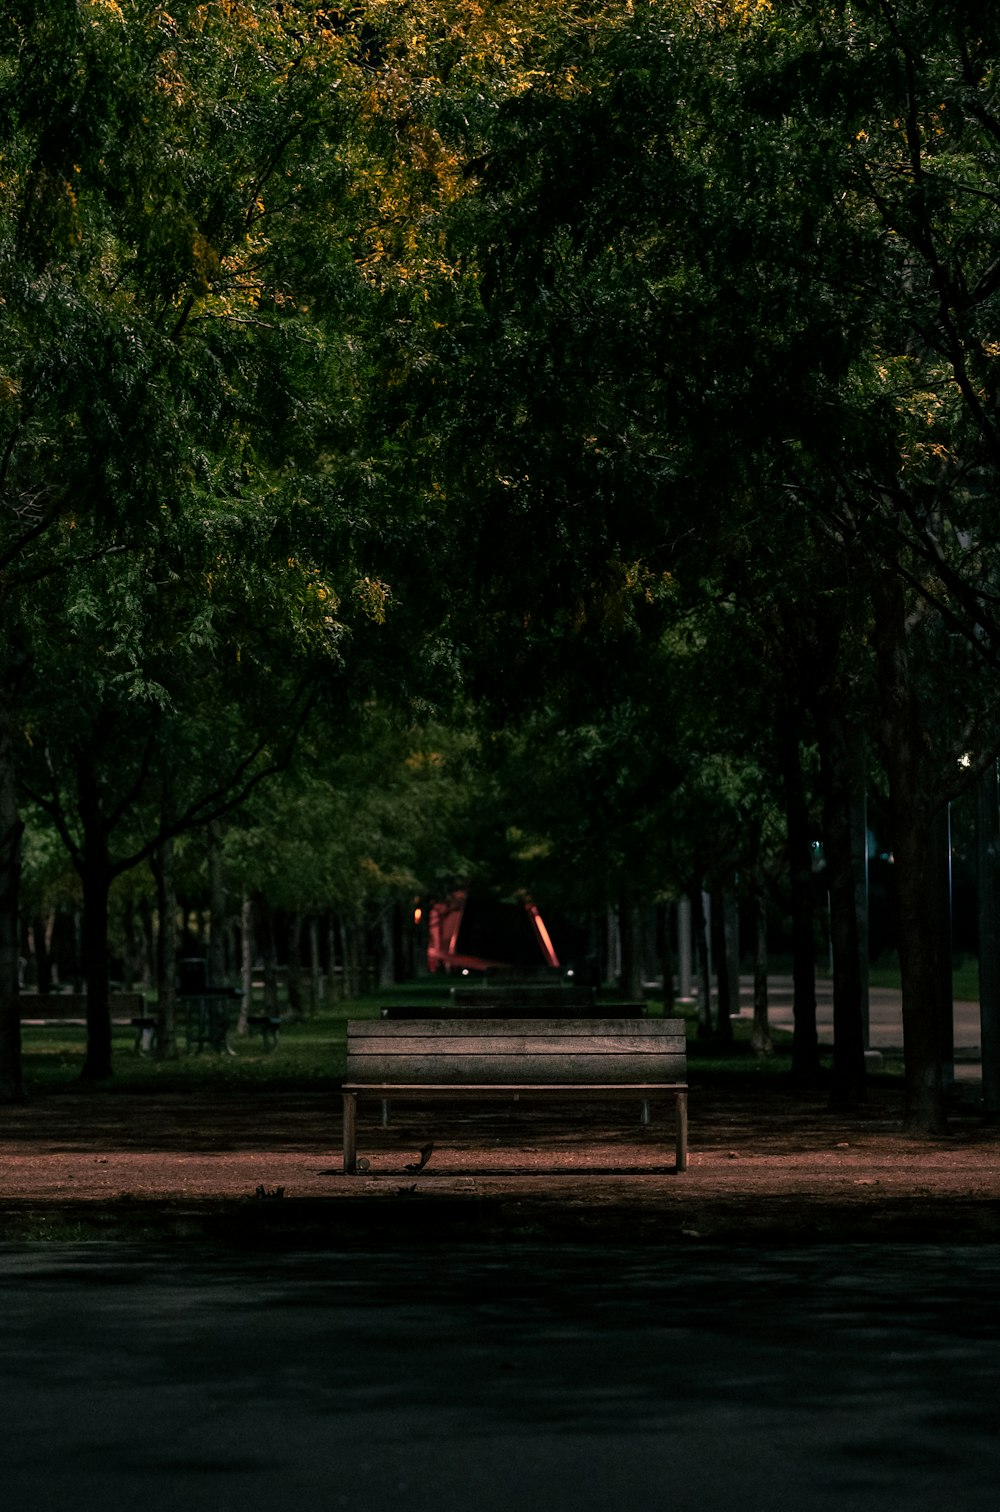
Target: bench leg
x=350 y=1133
x=682 y=1131
x=645 y=1112
x=386 y=1112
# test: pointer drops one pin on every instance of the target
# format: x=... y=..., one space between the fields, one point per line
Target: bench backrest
x=73 y=1005
x=492 y=1051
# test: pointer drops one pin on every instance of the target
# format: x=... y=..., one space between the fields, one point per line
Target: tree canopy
x=614 y=384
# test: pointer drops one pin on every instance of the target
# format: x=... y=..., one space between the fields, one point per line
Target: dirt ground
x=765 y=1165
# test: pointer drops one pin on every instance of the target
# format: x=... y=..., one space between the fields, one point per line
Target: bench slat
x=448 y=1043
x=584 y=1092
x=586 y=1028
x=526 y=1050
x=487 y=1069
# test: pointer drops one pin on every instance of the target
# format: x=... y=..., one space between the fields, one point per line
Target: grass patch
x=308 y=1054
x=965 y=978
x=312 y=1053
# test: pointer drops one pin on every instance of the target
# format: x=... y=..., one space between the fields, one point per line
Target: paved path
x=885 y=1015
x=545 y=1380
x=885 y=1018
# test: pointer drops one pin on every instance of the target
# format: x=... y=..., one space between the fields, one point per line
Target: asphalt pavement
x=852 y=1377
x=885 y=1020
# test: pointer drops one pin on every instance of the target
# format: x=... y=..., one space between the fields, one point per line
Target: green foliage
x=367 y=816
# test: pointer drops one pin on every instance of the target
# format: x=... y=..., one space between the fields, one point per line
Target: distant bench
x=519 y=1000
x=512 y=1009
x=541 y=994
x=46 y=1010
x=208 y=1017
x=448 y=1059
x=532 y=998
x=269 y=1025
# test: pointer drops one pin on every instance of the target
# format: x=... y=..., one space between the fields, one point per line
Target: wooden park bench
x=449 y=1059
x=47 y=1010
x=208 y=1018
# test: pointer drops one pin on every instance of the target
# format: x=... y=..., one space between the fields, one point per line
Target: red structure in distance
x=466 y=934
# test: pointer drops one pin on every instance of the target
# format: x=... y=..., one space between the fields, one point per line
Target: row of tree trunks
x=842 y=766
x=912 y=809
x=724 y=933
x=167 y=1047
x=11 y=830
x=806 y=1067
x=93 y=863
x=760 y=1038
x=988 y=847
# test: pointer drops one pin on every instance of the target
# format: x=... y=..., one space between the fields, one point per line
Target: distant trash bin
x=193 y=975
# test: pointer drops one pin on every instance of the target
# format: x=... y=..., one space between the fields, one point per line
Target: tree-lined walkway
x=885 y=1016
x=765 y=1163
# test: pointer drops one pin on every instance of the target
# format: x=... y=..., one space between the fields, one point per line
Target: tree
x=815 y=350
x=894 y=100
x=175 y=281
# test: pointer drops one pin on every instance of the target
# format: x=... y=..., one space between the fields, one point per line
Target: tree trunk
x=132 y=967
x=149 y=944
x=386 y=948
x=858 y=756
x=941 y=862
x=94 y=866
x=913 y=850
x=216 y=909
x=43 y=960
x=665 y=927
x=806 y=1068
x=700 y=926
x=96 y=879
x=923 y=1108
x=630 y=946
x=402 y=942
x=293 y=938
x=246 y=965
x=265 y=925
x=726 y=989
x=333 y=959
x=731 y=934
x=685 y=975
x=167 y=943
x=848 y=1083
x=347 y=952
x=315 y=969
x=11 y=829
x=760 y=1040
x=988 y=850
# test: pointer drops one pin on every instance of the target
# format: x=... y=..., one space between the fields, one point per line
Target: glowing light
x=544 y=936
